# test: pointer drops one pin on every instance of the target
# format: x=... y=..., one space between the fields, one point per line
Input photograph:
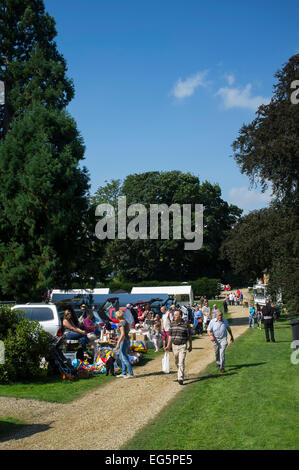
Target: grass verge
x=253 y=406
x=54 y=389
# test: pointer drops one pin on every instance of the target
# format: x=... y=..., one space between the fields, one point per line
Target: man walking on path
x=179 y=333
x=268 y=317
x=217 y=330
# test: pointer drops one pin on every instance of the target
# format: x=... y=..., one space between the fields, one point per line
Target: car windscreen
x=100 y=317
x=41 y=314
x=37 y=313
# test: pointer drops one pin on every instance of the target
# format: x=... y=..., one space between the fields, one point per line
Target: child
x=251 y=316
x=110 y=364
x=157 y=335
x=198 y=321
x=259 y=316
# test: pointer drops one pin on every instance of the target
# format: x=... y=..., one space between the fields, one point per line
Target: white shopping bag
x=165 y=363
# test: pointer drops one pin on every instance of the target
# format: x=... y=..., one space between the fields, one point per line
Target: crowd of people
x=266 y=314
x=177 y=333
x=234 y=298
x=172 y=329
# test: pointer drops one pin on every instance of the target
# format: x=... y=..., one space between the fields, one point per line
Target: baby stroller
x=59 y=362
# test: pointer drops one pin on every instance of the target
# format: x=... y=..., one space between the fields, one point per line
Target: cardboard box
x=141 y=338
x=132 y=336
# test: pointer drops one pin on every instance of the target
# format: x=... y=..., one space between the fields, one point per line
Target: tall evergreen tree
x=30 y=65
x=45 y=223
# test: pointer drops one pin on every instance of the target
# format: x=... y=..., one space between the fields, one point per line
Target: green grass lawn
x=54 y=389
x=254 y=405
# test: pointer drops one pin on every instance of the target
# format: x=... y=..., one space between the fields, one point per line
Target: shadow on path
x=21 y=431
x=240 y=366
x=224 y=374
x=241 y=321
x=211 y=376
x=151 y=374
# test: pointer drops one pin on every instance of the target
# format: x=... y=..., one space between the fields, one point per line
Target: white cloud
x=184 y=88
x=249 y=199
x=230 y=78
x=241 y=98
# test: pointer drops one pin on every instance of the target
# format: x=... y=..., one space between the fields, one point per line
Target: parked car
x=46 y=314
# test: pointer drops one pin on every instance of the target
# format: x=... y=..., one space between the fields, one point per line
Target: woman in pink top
x=89 y=325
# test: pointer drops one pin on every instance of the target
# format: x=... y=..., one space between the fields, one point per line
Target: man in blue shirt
x=217 y=331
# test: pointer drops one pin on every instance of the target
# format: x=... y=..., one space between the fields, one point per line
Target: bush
x=25 y=344
x=117 y=285
x=206 y=286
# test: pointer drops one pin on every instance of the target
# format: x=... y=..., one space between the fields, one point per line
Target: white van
x=46 y=314
x=183 y=294
x=260 y=295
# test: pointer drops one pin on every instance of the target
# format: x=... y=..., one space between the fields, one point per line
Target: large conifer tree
x=44 y=216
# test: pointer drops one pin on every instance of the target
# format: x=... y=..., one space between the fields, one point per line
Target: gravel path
x=93 y=422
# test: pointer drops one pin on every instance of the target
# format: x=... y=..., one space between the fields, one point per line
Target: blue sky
x=164 y=85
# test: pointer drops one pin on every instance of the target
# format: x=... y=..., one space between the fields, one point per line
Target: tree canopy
x=30 y=64
x=166 y=259
x=267 y=149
